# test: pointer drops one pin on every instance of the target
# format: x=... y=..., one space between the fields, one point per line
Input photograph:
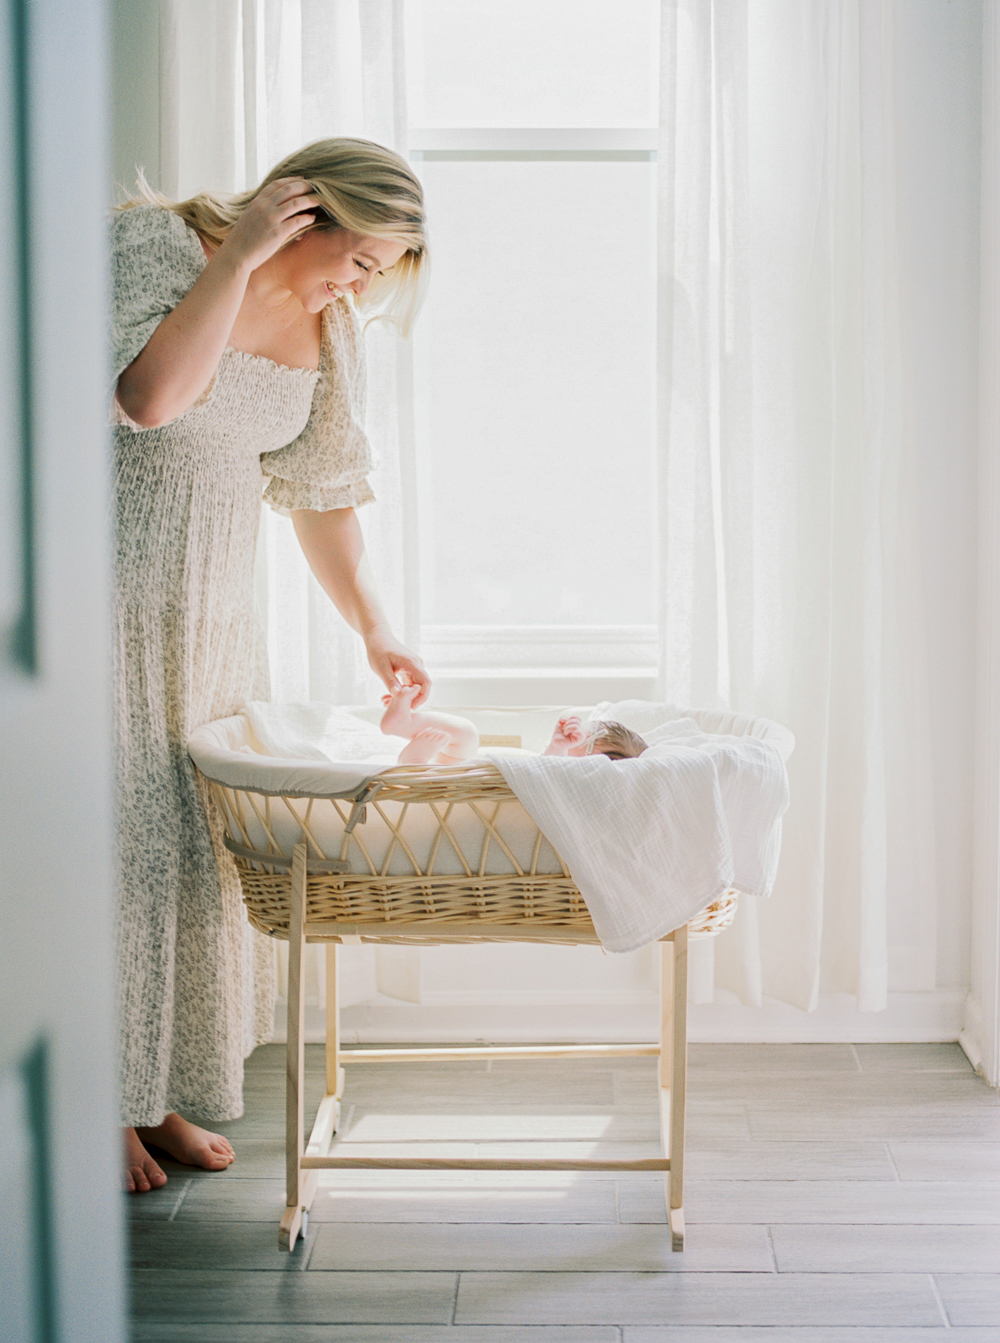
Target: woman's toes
x=154 y=1175
x=141 y=1178
x=141 y=1171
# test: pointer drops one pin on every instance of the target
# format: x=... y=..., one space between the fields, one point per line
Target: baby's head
x=614 y=740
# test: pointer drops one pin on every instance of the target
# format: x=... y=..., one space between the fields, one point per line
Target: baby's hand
x=571 y=729
x=567 y=732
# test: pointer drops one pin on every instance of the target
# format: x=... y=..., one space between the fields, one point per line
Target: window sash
x=626 y=652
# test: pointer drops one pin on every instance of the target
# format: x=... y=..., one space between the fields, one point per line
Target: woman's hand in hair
x=278 y=213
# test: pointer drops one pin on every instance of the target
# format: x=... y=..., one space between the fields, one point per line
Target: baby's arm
x=568 y=732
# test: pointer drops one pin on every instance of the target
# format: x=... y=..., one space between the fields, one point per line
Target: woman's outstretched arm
x=333 y=545
x=177 y=363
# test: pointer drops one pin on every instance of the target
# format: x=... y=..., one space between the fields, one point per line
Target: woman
x=238 y=356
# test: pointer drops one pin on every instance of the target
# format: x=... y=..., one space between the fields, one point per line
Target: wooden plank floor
x=836 y=1194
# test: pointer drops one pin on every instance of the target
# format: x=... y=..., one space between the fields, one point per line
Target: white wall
x=938 y=128
x=981 y=1028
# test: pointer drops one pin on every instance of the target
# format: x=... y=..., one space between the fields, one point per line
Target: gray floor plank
x=489 y=1246
x=979 y=1162
x=789 y=1161
x=219 y=1297
x=376 y=1333
x=971 y=1298
x=910 y=1123
x=666 y=1333
x=811 y=1201
x=928 y=1057
x=492 y=1126
x=263 y=1200
x=696 y=1298
x=372 y=1088
x=788 y=1058
x=845 y=1090
x=159 y=1204
x=894 y=1249
x=224 y=1244
x=714 y=1122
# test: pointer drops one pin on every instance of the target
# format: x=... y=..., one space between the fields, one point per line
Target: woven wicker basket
x=388 y=887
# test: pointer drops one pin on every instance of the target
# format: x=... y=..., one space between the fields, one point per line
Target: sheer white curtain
x=790 y=576
x=789 y=572
x=243 y=85
x=245 y=82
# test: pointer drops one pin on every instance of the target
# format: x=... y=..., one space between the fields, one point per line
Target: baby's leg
x=423 y=747
x=399 y=720
x=463 y=739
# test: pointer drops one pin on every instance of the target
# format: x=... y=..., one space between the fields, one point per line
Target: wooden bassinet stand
x=412 y=857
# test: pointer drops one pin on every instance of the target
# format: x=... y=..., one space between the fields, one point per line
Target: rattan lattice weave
x=386 y=892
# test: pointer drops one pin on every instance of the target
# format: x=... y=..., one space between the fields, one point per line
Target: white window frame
x=517 y=663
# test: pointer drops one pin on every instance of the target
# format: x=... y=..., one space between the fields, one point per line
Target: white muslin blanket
x=651 y=841
x=315 y=731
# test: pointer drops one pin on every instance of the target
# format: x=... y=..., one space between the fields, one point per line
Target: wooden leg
x=291 y=1221
x=678 y=1089
x=673 y=1075
x=666 y=1063
x=334 y=1071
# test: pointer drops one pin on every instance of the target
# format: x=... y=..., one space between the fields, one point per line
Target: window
x=534 y=126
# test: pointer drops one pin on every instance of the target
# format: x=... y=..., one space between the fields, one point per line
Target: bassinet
x=425 y=855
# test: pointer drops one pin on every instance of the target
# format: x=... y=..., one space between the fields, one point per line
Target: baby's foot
x=141 y=1172
x=397 y=719
x=423 y=746
x=189 y=1144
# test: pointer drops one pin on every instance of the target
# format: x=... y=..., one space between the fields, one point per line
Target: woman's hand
x=275 y=215
x=395 y=665
x=180 y=358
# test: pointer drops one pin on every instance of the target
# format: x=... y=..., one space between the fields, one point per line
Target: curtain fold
x=245 y=82
x=790 y=575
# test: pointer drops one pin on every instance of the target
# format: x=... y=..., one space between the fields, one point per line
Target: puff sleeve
x=155 y=260
x=327 y=465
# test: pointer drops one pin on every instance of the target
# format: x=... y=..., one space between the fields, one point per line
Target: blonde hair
x=617 y=741
x=363 y=187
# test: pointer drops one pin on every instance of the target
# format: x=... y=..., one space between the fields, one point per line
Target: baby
x=446 y=739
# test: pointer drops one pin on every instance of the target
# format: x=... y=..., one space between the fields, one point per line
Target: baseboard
x=971 y=1035
x=909 y=1017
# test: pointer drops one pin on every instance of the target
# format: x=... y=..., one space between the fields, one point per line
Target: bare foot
x=398 y=716
x=189 y=1144
x=141 y=1172
x=424 y=746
